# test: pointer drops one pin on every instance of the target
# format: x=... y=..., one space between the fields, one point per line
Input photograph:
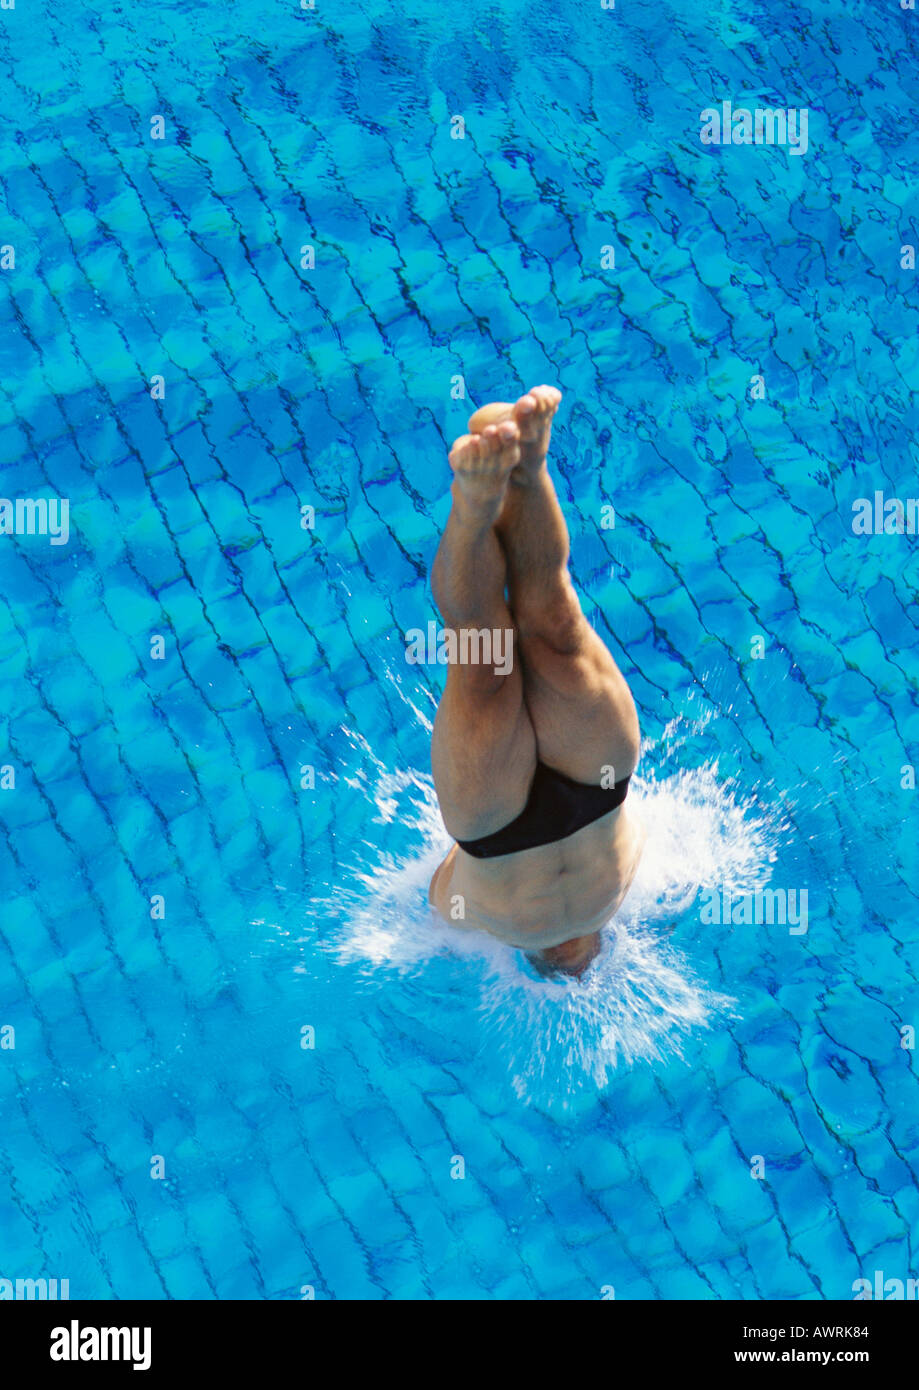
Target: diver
x=531 y=764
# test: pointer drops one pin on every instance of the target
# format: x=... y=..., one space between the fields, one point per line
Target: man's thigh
x=483 y=751
x=580 y=705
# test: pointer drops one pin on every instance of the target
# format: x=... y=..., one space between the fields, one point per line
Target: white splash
x=557 y=1037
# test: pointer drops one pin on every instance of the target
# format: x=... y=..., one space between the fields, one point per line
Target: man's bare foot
x=532 y=414
x=482 y=464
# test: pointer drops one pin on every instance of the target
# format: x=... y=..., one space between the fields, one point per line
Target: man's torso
x=543 y=897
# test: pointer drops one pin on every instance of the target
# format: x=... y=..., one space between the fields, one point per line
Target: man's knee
x=556 y=619
x=484 y=692
x=482 y=683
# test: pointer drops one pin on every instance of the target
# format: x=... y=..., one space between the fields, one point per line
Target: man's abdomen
x=545 y=896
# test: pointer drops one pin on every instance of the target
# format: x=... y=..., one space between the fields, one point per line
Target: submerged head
x=570 y=958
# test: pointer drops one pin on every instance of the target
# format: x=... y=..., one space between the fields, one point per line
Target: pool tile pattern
x=178 y=263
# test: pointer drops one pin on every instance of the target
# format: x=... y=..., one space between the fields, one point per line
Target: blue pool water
x=607 y=1130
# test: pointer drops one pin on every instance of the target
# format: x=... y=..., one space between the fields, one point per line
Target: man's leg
x=581 y=708
x=483 y=750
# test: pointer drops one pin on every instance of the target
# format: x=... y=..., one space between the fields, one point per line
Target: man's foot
x=532 y=415
x=482 y=464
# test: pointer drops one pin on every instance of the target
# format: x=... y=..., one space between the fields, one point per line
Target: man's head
x=570 y=958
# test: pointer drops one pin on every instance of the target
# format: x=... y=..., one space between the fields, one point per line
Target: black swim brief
x=556 y=807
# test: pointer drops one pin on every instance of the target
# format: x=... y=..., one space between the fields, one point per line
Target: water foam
x=639 y=1001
